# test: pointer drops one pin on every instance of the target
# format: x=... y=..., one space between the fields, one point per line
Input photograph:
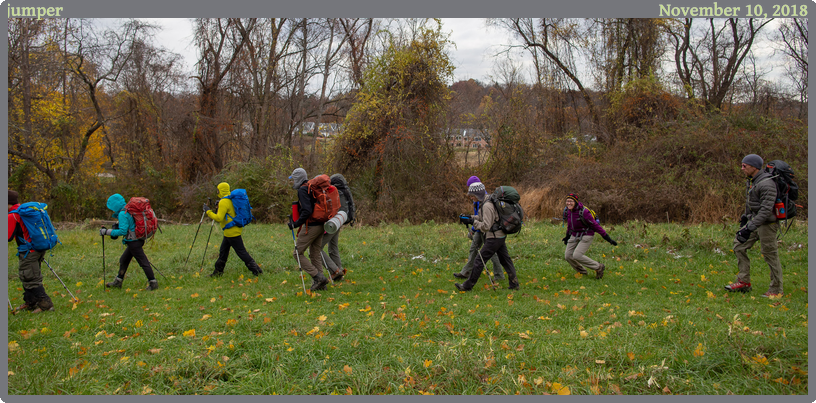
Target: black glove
x=565 y=239
x=104 y=231
x=610 y=240
x=290 y=223
x=743 y=235
x=206 y=207
x=466 y=219
x=743 y=220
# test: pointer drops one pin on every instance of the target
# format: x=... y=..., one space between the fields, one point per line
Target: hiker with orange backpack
x=228 y=218
x=134 y=236
x=318 y=201
x=34 y=297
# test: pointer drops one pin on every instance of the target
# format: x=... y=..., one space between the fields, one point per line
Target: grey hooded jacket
x=761 y=196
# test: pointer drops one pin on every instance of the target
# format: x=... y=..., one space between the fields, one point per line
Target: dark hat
x=573 y=196
x=753 y=160
x=13 y=197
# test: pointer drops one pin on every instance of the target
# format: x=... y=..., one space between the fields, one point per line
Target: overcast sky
x=472 y=56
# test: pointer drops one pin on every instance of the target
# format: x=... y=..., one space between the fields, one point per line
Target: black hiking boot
x=152 y=285
x=116 y=283
x=319 y=282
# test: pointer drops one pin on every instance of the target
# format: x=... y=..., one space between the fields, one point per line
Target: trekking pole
x=300 y=269
x=157 y=270
x=103 y=261
x=493 y=284
x=194 y=239
x=9 y=301
x=327 y=266
x=205 y=248
x=60 y=280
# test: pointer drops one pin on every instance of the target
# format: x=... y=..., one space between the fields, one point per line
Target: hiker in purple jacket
x=581 y=229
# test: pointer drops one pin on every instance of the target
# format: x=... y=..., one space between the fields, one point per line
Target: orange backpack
x=327 y=199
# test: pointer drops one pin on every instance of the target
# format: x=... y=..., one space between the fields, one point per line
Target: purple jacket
x=576 y=226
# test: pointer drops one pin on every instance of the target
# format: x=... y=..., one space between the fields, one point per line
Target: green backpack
x=511 y=216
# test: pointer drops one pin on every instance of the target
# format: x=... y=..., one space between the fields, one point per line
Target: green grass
x=397 y=325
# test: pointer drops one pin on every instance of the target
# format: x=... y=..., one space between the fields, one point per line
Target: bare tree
x=794 y=36
x=708 y=59
x=559 y=40
x=220 y=44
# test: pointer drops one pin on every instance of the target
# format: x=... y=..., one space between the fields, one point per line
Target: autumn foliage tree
x=394 y=144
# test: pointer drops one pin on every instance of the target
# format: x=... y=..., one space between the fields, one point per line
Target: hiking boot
x=255 y=269
x=338 y=275
x=152 y=285
x=460 y=275
x=116 y=283
x=581 y=271
x=319 y=282
x=461 y=287
x=599 y=272
x=22 y=307
x=771 y=295
x=44 y=304
x=216 y=274
x=739 y=286
x=513 y=284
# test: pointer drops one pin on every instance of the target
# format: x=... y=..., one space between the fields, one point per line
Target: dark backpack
x=143 y=216
x=243 y=210
x=787 y=191
x=511 y=216
x=347 y=197
x=38 y=224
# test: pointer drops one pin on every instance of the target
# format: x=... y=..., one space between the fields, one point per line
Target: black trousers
x=134 y=249
x=492 y=246
x=236 y=243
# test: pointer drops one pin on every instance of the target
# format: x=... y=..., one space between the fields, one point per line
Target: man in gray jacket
x=494 y=244
x=758 y=223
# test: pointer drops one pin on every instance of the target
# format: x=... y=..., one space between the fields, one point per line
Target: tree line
x=95 y=107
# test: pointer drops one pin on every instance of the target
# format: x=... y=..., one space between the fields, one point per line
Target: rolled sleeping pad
x=295 y=212
x=335 y=222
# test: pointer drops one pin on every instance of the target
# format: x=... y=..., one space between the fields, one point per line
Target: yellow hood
x=223 y=189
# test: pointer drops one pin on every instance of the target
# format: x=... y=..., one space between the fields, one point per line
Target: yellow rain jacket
x=225 y=207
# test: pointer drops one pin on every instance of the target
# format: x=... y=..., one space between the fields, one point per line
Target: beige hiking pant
x=575 y=254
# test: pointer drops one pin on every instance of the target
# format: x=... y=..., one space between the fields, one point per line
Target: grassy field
x=659 y=322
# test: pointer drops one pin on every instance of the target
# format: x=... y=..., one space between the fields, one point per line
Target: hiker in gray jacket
x=477 y=194
x=757 y=223
x=487 y=222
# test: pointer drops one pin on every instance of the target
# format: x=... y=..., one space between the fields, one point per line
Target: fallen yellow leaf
x=347 y=369
x=189 y=333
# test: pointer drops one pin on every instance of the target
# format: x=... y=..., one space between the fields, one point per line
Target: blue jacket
x=127 y=226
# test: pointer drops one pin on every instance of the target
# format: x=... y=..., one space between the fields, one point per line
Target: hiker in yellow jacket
x=232 y=235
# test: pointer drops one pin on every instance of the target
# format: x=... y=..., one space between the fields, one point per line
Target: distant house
x=471 y=138
x=324 y=129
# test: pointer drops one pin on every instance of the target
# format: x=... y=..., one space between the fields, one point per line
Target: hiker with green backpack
x=133 y=237
x=500 y=214
x=233 y=213
x=477 y=194
x=30 y=256
x=581 y=228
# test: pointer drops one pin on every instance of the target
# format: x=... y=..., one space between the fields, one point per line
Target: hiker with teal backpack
x=233 y=214
x=477 y=194
x=133 y=237
x=30 y=252
x=581 y=228
x=500 y=215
